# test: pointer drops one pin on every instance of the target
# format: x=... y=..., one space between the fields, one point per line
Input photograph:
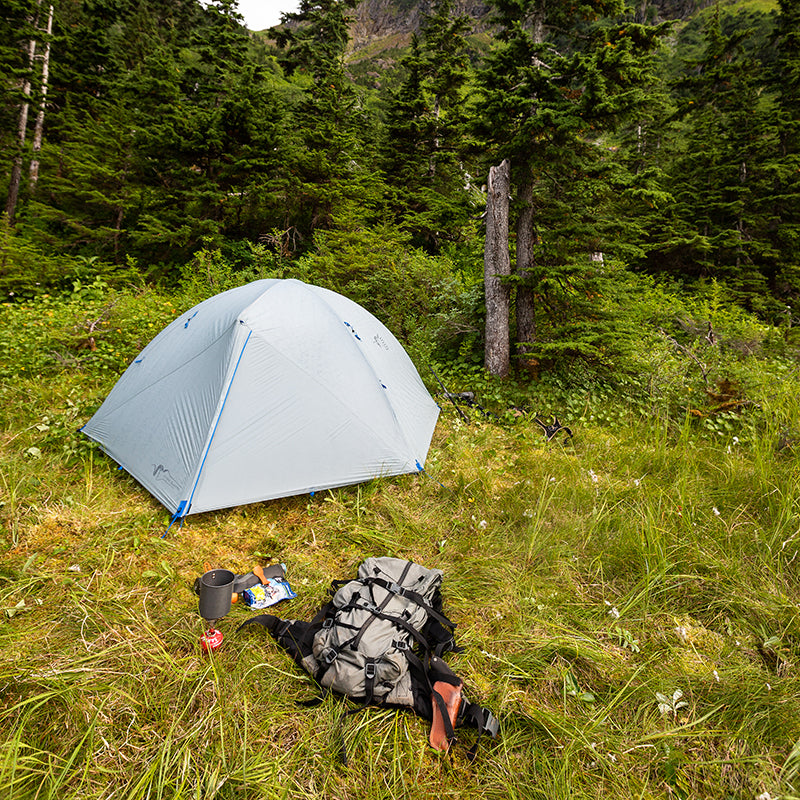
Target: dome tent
x=271 y=389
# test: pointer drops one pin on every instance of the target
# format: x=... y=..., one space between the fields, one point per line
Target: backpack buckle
x=396 y=588
x=401 y=645
x=369 y=670
x=328 y=656
x=327 y=623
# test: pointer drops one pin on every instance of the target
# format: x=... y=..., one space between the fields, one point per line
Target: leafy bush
x=212 y=271
x=93 y=328
x=376 y=267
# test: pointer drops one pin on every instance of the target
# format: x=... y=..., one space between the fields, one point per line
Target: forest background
x=627 y=597
x=135 y=137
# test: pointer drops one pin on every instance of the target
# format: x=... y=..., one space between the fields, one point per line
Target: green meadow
x=627 y=598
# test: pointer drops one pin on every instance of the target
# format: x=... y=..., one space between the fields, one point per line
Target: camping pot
x=216 y=593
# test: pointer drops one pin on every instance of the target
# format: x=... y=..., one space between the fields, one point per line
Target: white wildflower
x=593 y=476
x=716 y=511
x=482 y=524
x=614 y=613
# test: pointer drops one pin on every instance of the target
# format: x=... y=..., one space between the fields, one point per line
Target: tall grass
x=589 y=578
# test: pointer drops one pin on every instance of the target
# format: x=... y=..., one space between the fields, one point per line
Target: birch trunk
x=496 y=265
x=22 y=129
x=39 y=128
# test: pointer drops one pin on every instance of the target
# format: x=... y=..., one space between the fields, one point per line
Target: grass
x=586 y=577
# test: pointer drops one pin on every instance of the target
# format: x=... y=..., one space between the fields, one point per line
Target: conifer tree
x=425 y=144
x=785 y=81
x=163 y=131
x=722 y=152
x=560 y=79
x=115 y=80
x=21 y=31
x=328 y=170
x=15 y=36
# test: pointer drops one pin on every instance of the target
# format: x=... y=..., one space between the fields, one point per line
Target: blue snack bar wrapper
x=267 y=594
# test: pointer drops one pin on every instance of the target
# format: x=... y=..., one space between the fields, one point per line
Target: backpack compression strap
x=398 y=589
x=354 y=642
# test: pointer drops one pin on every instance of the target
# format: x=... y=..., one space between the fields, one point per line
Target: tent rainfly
x=271 y=389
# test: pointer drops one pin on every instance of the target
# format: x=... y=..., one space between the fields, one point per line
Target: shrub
x=28 y=270
x=93 y=328
x=212 y=271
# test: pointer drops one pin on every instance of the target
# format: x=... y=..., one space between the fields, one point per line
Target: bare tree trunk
x=526 y=300
x=496 y=265
x=537 y=24
x=39 y=129
x=22 y=129
x=432 y=159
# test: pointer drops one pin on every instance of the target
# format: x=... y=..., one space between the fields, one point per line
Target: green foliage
x=425 y=145
x=91 y=328
x=212 y=271
x=172 y=126
x=28 y=270
x=694 y=359
x=377 y=268
x=727 y=165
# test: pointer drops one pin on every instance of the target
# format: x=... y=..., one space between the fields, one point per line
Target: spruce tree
x=161 y=132
x=425 y=144
x=785 y=230
x=21 y=34
x=329 y=173
x=560 y=80
x=722 y=160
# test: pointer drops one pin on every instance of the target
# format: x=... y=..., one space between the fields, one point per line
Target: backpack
x=379 y=640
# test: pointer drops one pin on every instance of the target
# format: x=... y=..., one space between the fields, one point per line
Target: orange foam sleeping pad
x=452 y=701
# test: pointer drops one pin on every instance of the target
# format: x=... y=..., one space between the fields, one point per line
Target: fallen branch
x=688 y=352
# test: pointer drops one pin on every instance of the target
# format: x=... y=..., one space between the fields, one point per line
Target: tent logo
x=161 y=473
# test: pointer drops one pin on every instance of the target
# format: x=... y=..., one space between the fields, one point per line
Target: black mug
x=216 y=593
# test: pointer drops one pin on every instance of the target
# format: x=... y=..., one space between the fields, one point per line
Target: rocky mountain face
x=391 y=22
x=384 y=24
x=376 y=19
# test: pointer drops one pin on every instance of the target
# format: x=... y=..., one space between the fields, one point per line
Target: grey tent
x=268 y=390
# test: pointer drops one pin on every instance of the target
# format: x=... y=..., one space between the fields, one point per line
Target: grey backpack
x=379 y=640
